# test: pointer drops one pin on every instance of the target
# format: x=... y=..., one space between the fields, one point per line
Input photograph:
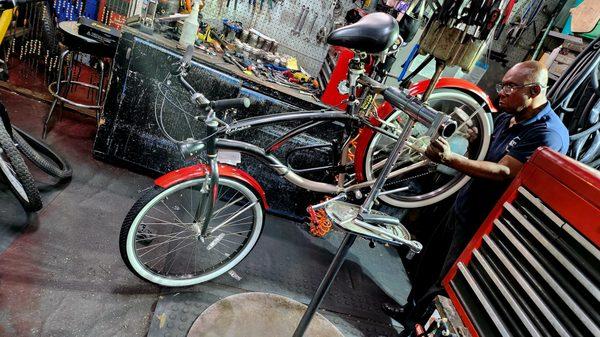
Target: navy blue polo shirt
x=477 y=198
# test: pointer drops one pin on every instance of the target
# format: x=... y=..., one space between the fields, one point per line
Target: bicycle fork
x=210 y=189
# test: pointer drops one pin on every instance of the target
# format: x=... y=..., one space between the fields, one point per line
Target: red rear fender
x=455 y=83
x=200 y=170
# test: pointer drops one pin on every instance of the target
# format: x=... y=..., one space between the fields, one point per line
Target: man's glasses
x=509 y=88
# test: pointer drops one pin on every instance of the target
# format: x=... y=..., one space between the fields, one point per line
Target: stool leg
x=101 y=82
x=68 y=84
x=100 y=86
x=58 y=80
x=334 y=268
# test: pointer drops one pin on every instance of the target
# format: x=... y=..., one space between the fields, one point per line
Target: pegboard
x=279 y=22
x=516 y=53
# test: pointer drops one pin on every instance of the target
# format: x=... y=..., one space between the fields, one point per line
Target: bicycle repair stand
x=343 y=215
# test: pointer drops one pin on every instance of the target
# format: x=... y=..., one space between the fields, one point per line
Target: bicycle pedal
x=319 y=224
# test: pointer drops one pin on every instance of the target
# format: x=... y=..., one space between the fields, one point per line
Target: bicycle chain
x=393 y=182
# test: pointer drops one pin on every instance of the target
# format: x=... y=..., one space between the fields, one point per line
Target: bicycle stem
x=210 y=190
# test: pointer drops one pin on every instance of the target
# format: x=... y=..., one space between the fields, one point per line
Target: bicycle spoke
x=161 y=220
x=234 y=216
x=470 y=118
x=155 y=236
x=228 y=204
x=224 y=254
x=228 y=233
x=175 y=215
x=168 y=253
x=158 y=245
x=170 y=223
x=235 y=223
x=224 y=215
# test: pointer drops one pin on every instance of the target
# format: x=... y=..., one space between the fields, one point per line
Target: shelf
x=571 y=38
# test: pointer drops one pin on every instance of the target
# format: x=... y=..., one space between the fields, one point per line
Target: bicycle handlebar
x=222 y=104
x=441 y=123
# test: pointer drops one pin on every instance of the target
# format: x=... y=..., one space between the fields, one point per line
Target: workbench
x=128 y=132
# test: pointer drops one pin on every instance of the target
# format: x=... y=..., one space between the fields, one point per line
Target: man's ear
x=535 y=90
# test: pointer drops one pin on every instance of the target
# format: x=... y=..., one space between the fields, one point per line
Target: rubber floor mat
x=290 y=262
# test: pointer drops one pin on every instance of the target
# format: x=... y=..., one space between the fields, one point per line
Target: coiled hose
x=576 y=97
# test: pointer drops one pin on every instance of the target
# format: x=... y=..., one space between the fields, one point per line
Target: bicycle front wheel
x=161 y=243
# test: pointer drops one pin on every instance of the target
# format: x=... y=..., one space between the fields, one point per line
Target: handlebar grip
x=242 y=102
x=180 y=67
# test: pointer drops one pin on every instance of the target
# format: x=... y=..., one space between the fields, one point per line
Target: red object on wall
x=337 y=64
x=559 y=199
x=334 y=71
x=112 y=17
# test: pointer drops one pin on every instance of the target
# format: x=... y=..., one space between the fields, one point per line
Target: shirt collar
x=546 y=110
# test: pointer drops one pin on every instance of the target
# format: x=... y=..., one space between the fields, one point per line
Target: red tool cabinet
x=533 y=268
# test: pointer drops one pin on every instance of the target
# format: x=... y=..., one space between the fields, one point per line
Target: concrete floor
x=61 y=273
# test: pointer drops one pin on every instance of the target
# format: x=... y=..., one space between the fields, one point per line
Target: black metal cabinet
x=128 y=132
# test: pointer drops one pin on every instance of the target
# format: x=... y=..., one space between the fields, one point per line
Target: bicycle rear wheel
x=428 y=184
x=160 y=243
x=17 y=175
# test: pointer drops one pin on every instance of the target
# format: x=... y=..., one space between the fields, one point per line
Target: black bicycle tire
x=31 y=147
x=138 y=206
x=48 y=28
x=34 y=202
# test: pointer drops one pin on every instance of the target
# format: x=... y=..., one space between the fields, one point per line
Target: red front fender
x=418 y=88
x=200 y=170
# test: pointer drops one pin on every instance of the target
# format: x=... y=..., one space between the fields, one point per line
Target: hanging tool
x=312 y=26
x=295 y=31
x=303 y=21
x=505 y=16
x=262 y=2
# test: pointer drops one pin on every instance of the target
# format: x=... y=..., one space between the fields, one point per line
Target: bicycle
x=215 y=211
x=14 y=140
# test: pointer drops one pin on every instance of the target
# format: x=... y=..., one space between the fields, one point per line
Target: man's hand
x=472 y=134
x=439 y=151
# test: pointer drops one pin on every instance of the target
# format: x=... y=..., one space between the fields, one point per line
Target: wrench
x=303 y=21
x=295 y=30
x=312 y=26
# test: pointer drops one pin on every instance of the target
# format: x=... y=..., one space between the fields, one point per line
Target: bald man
x=525 y=123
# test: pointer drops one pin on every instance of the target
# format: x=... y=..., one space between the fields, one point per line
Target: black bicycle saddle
x=373 y=33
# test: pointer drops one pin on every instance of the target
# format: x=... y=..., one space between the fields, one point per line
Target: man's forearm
x=478 y=168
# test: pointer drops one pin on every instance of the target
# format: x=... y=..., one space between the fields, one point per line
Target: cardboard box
x=558 y=68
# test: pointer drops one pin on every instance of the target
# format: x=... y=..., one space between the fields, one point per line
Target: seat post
x=355 y=69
